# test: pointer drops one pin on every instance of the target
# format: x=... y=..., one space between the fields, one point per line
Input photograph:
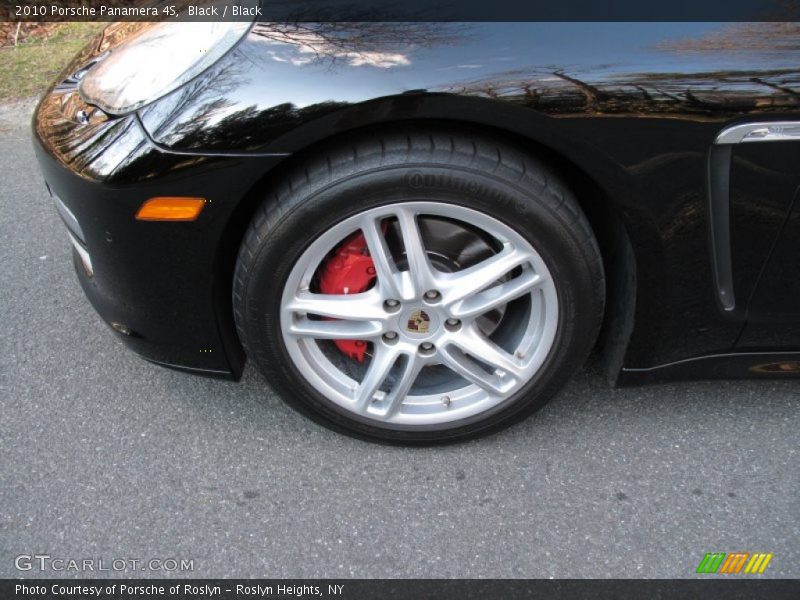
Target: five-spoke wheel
x=426 y=313
x=419 y=287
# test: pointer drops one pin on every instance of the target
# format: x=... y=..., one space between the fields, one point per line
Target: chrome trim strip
x=770 y=131
x=85 y=258
x=69 y=218
x=719 y=221
x=789 y=356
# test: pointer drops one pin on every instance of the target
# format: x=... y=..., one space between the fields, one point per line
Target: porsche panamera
x=417 y=232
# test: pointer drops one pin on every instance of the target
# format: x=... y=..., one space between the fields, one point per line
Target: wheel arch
x=588 y=173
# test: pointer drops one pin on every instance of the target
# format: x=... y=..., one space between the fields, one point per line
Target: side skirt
x=734 y=365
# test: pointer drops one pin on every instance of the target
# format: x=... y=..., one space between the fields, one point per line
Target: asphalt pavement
x=103 y=455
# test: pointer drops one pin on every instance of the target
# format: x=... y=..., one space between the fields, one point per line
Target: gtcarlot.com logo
x=734 y=563
x=45 y=562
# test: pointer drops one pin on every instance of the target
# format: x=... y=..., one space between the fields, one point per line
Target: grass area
x=27 y=69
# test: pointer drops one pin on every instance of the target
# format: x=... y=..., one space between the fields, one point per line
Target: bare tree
x=344 y=40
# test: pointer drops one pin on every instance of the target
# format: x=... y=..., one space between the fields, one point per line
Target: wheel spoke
x=385 y=268
x=419 y=267
x=335 y=330
x=475 y=344
x=366 y=306
x=379 y=368
x=496 y=296
x=470 y=370
x=478 y=277
x=394 y=399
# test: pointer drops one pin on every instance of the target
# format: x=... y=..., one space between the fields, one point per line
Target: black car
x=419 y=231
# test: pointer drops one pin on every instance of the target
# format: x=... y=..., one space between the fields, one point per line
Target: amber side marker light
x=170 y=208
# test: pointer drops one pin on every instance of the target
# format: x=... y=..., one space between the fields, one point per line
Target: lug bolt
x=426 y=348
x=391 y=305
x=390 y=336
x=452 y=324
x=432 y=295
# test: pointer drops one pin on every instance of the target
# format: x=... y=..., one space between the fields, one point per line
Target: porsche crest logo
x=419 y=322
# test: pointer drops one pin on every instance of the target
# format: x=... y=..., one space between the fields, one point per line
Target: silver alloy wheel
x=418 y=318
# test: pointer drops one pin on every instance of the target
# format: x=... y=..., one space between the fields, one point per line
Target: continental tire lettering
x=418 y=180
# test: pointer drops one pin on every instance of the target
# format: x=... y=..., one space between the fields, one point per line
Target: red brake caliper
x=349 y=271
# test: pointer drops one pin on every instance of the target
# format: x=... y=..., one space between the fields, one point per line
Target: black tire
x=469 y=169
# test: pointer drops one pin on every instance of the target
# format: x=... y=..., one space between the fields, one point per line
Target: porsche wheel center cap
x=420 y=322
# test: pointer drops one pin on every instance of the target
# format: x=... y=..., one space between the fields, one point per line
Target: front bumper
x=164 y=287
